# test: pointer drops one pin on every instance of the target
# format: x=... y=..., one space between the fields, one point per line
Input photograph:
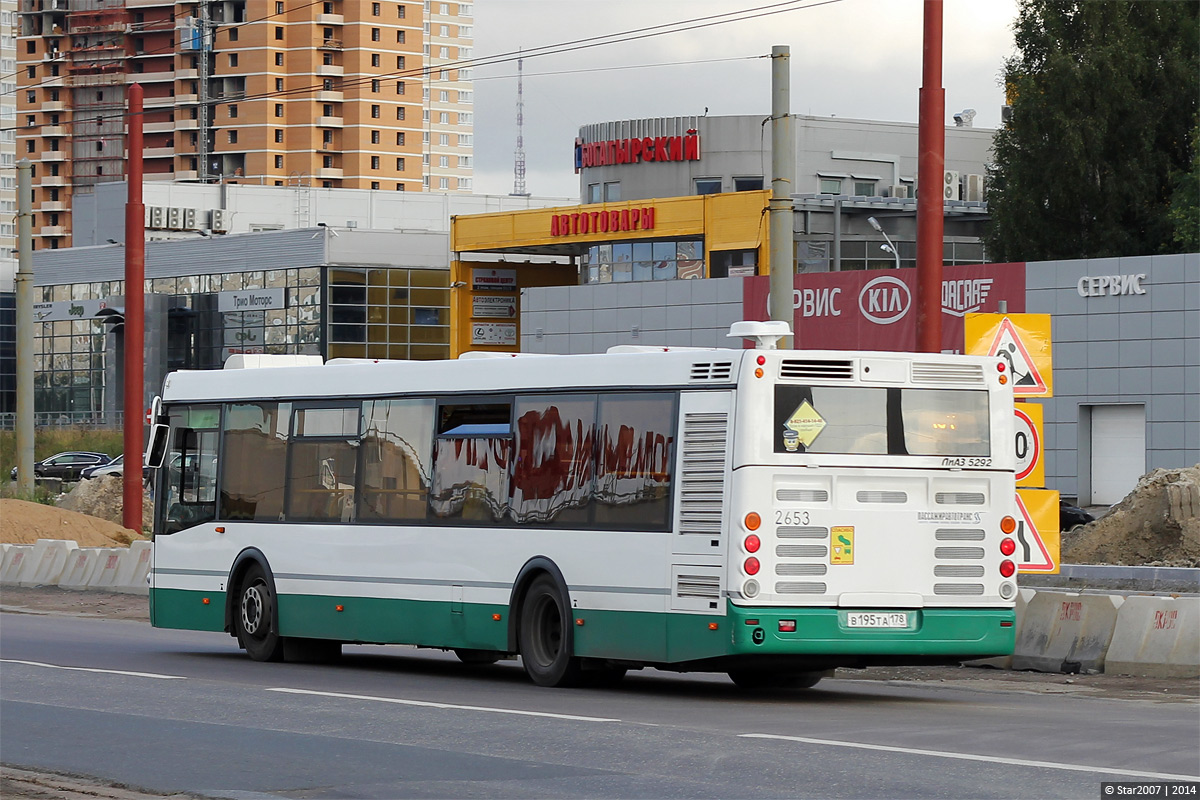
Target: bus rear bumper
x=930 y=633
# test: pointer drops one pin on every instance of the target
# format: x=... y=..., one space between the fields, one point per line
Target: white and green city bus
x=772 y=514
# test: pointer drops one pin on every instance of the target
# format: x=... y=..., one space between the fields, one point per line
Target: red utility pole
x=135 y=323
x=931 y=163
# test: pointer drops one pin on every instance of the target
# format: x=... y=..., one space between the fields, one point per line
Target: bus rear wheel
x=545 y=635
x=758 y=679
x=254 y=617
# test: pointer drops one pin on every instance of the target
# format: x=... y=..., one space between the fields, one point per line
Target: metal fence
x=63 y=419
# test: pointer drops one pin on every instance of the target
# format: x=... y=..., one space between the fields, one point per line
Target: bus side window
x=635 y=435
x=471 y=462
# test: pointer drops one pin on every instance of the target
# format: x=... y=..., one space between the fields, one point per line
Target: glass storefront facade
x=665 y=260
x=389 y=313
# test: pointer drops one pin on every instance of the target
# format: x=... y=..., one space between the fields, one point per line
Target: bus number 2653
x=791 y=517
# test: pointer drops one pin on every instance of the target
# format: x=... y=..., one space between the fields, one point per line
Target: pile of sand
x=1158 y=523
x=103 y=497
x=22 y=522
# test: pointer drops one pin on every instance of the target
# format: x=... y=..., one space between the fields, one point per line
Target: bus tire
x=545 y=635
x=254 y=617
x=754 y=680
x=469 y=656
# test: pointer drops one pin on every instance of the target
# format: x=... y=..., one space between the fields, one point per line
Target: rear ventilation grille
x=802 y=533
x=959 y=498
x=812 y=369
x=803 y=569
x=958 y=589
x=702 y=480
x=959 y=535
x=705 y=587
x=961 y=374
x=720 y=371
x=801 y=587
x=959 y=553
x=802 y=495
x=958 y=571
x=801 y=550
x=882 y=497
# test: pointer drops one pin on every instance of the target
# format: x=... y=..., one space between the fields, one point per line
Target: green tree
x=1185 y=202
x=1104 y=96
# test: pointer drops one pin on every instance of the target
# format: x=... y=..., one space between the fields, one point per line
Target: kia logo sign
x=884 y=300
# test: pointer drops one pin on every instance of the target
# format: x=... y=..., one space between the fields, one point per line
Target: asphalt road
x=176 y=711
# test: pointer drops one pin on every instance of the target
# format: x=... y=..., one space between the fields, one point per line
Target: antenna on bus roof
x=765 y=334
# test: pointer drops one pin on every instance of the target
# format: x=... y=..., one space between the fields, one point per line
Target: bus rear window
x=861 y=420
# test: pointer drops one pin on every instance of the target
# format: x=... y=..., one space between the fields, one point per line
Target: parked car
x=67 y=466
x=114 y=467
x=1070 y=517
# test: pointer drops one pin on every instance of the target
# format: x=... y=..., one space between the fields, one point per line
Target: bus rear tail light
x=1008 y=547
x=751 y=566
x=753 y=521
x=787 y=626
x=1008 y=524
x=999 y=366
x=1003 y=379
x=752 y=543
x=1007 y=568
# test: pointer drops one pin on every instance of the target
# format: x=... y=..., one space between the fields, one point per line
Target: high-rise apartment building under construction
x=338 y=93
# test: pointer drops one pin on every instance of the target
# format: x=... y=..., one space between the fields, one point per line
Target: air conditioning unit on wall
x=950 y=185
x=156 y=217
x=218 y=220
x=898 y=191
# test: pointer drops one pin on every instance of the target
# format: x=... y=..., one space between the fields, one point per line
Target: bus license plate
x=892 y=620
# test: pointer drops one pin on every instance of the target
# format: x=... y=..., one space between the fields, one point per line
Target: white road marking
x=427 y=704
x=1019 y=762
x=92 y=669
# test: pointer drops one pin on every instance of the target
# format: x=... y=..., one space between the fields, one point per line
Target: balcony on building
x=53 y=105
x=52 y=230
x=166 y=101
x=54 y=180
x=48 y=156
x=330 y=70
x=330 y=122
x=331 y=19
x=187 y=74
x=52 y=205
x=54 y=130
x=153 y=77
x=185 y=125
x=330 y=44
x=158 y=152
x=159 y=127
x=328 y=172
x=327 y=96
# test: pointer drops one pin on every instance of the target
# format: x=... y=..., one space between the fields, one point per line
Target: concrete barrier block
x=15 y=556
x=45 y=565
x=1066 y=632
x=80 y=568
x=1005 y=662
x=131 y=576
x=1156 y=637
x=108 y=564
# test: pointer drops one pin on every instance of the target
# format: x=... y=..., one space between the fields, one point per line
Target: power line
x=575 y=45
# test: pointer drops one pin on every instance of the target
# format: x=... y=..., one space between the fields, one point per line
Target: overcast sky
x=850 y=58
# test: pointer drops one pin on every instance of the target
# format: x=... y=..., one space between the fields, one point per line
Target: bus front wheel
x=254 y=617
x=757 y=679
x=545 y=635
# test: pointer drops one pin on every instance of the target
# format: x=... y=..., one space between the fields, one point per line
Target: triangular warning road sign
x=1008 y=345
x=1033 y=555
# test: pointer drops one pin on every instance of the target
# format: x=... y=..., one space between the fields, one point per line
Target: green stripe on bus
x=184 y=609
x=632 y=635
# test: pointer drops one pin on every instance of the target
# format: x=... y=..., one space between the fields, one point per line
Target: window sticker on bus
x=841 y=541
x=803 y=427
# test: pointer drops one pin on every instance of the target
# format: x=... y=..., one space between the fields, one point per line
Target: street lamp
x=889 y=247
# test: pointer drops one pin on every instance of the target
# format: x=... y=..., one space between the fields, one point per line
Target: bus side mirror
x=156 y=449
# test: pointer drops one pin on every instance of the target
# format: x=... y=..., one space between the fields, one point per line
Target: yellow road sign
x=1023 y=340
x=1037 y=534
